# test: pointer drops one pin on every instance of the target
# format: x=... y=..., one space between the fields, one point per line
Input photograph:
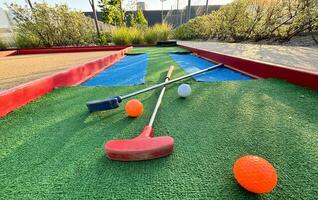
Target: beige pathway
x=291 y=56
x=16 y=70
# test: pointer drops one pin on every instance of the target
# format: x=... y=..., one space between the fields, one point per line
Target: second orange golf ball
x=134 y=108
x=255 y=174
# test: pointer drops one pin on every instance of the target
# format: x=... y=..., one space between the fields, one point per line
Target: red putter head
x=143 y=147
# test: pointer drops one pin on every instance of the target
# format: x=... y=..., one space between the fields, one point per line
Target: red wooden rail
x=19 y=96
x=8 y=53
x=262 y=69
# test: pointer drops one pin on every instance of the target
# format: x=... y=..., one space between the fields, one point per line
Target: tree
x=30 y=3
x=92 y=3
x=140 y=18
x=132 y=20
x=112 y=12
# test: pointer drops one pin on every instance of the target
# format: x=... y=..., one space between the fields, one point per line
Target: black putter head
x=104 y=104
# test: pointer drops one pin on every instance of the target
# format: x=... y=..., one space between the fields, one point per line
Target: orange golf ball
x=134 y=108
x=255 y=174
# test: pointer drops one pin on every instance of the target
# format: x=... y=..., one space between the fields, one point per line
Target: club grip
x=169 y=74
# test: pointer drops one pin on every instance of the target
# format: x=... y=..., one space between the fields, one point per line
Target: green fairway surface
x=53 y=148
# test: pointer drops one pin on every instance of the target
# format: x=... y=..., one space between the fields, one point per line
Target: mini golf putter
x=143 y=147
x=113 y=102
x=104 y=104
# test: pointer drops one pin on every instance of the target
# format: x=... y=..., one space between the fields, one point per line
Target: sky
x=83 y=5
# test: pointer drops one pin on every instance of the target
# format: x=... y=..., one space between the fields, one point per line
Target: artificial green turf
x=53 y=148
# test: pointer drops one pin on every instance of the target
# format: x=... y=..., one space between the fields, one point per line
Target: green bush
x=3 y=45
x=199 y=27
x=163 y=31
x=121 y=36
x=104 y=38
x=255 y=20
x=159 y=32
x=27 y=41
x=150 y=36
x=53 y=25
x=136 y=35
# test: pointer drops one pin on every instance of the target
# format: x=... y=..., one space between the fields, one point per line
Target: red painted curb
x=77 y=49
x=21 y=95
x=12 y=52
x=70 y=49
x=262 y=69
x=8 y=53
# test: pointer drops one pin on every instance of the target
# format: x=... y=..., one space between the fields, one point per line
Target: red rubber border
x=12 y=52
x=21 y=95
x=69 y=49
x=8 y=53
x=75 y=49
x=260 y=69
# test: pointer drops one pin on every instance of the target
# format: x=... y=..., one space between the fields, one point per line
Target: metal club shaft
x=155 y=111
x=169 y=82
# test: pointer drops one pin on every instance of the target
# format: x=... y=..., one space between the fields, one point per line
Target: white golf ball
x=184 y=90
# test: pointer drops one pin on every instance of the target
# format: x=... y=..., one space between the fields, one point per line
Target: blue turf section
x=131 y=70
x=191 y=63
